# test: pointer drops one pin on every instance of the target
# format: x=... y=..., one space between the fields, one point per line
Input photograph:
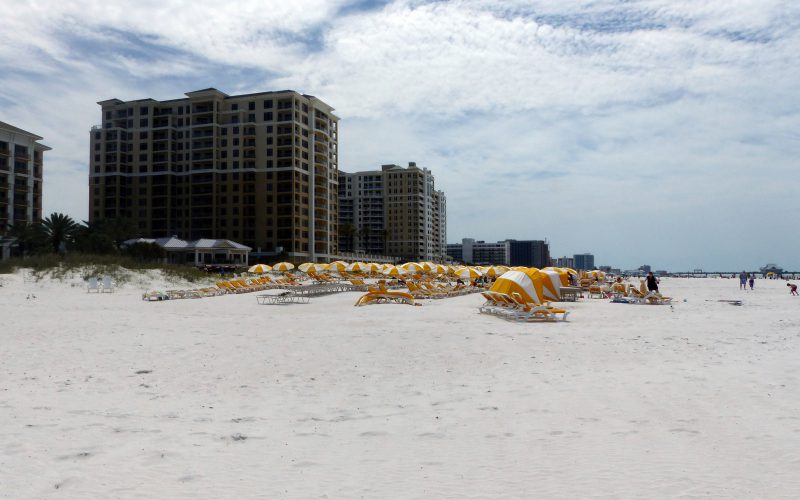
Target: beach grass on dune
x=59 y=266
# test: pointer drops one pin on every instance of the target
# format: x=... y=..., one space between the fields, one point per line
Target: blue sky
x=645 y=131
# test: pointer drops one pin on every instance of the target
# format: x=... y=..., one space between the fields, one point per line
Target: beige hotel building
x=21 y=164
x=393 y=211
x=259 y=169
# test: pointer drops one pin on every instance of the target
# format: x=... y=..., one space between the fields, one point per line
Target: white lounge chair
x=108 y=285
x=92 y=286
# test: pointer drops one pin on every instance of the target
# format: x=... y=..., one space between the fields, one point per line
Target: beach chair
x=382 y=295
x=108 y=285
x=528 y=311
x=92 y=286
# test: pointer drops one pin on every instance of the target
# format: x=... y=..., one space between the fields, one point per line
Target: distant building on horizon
x=257 y=168
x=479 y=252
x=645 y=268
x=394 y=211
x=21 y=173
x=528 y=253
x=568 y=262
x=584 y=261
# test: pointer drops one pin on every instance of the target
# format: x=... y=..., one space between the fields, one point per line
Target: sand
x=107 y=396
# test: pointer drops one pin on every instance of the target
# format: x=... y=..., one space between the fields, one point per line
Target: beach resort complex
x=399 y=249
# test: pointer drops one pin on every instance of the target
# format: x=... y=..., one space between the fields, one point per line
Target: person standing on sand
x=792 y=288
x=652 y=282
x=743 y=281
x=752 y=281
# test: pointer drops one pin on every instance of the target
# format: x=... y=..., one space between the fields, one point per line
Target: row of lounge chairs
x=428 y=290
x=513 y=307
x=381 y=295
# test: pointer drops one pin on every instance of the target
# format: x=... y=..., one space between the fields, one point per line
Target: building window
x=144 y=110
x=268 y=117
x=268 y=104
x=143 y=122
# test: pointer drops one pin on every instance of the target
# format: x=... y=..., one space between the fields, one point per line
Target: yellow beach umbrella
x=438 y=269
x=394 y=271
x=337 y=266
x=259 y=269
x=412 y=267
x=312 y=267
x=374 y=267
x=356 y=267
x=518 y=268
x=528 y=284
x=494 y=271
x=283 y=267
x=469 y=273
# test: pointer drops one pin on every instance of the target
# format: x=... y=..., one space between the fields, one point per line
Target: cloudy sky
x=664 y=132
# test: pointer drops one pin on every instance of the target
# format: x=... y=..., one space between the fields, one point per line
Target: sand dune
x=106 y=396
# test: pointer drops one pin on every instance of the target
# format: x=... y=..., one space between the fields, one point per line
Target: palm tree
x=59 y=230
x=29 y=236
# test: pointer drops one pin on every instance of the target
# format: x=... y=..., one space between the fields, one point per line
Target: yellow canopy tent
x=529 y=284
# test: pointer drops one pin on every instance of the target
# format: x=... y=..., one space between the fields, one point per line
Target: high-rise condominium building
x=260 y=169
x=393 y=211
x=21 y=163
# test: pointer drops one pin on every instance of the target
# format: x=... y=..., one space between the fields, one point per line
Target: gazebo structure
x=202 y=252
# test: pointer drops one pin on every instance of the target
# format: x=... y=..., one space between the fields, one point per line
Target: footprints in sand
x=76 y=456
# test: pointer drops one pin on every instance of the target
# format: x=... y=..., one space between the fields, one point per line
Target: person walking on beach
x=751 y=281
x=743 y=281
x=652 y=282
x=792 y=288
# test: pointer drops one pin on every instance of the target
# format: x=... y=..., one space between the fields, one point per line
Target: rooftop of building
x=213 y=92
x=7 y=127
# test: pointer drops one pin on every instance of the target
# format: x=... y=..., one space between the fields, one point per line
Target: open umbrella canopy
x=412 y=267
x=283 y=267
x=518 y=268
x=259 y=269
x=394 y=271
x=528 y=284
x=312 y=267
x=374 y=267
x=469 y=273
x=438 y=269
x=356 y=267
x=494 y=270
x=337 y=266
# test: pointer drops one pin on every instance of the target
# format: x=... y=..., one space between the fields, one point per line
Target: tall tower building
x=393 y=211
x=21 y=164
x=260 y=169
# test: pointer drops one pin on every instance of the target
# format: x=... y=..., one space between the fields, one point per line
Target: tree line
x=59 y=233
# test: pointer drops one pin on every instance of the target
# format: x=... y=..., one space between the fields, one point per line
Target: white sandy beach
x=107 y=396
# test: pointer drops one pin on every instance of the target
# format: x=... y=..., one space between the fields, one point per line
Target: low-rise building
x=202 y=252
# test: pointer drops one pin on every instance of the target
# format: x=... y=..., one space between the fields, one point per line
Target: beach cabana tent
x=528 y=284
